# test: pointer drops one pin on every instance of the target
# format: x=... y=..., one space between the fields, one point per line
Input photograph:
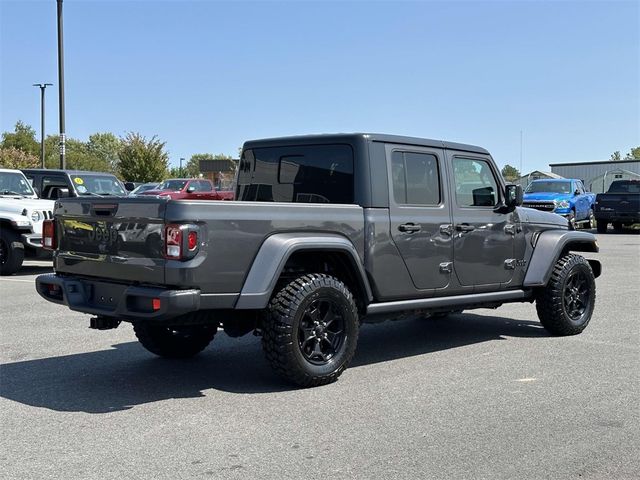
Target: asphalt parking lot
x=485 y=394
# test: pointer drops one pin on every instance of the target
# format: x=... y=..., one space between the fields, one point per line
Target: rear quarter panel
x=232 y=233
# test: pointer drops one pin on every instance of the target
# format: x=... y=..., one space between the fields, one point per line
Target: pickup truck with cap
x=327 y=232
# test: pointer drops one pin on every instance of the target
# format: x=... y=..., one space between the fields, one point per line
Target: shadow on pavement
x=32 y=270
x=127 y=375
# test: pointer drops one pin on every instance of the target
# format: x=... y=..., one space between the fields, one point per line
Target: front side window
x=204 y=186
x=475 y=183
x=301 y=174
x=415 y=178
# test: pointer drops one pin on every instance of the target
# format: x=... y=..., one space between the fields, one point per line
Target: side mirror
x=191 y=189
x=577 y=192
x=512 y=198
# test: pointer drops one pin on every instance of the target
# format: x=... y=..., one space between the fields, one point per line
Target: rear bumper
x=33 y=240
x=109 y=299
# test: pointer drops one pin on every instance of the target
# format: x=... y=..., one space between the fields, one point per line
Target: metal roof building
x=585 y=171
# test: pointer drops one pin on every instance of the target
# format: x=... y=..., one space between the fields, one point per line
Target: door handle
x=409 y=228
x=465 y=227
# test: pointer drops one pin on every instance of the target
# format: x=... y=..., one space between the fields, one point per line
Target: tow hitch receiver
x=103 y=323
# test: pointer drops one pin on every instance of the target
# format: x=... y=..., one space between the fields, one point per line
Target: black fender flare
x=273 y=255
x=548 y=248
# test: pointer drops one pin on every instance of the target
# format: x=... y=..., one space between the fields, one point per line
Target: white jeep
x=21 y=217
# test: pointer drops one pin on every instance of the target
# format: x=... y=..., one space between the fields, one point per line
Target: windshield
x=144 y=188
x=97 y=185
x=14 y=183
x=549 y=187
x=174 y=185
x=629 y=186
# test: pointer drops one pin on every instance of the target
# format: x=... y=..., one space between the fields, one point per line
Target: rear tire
x=310 y=332
x=181 y=341
x=566 y=304
x=602 y=226
x=11 y=252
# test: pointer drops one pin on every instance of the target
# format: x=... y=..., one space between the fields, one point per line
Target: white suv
x=21 y=217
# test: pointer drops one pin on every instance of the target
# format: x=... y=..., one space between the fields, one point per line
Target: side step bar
x=454 y=301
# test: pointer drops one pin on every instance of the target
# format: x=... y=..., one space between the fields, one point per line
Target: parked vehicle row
x=327 y=232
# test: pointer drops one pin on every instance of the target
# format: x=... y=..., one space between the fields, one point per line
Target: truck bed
x=122 y=239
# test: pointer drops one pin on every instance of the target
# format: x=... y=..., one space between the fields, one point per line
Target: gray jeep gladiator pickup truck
x=328 y=231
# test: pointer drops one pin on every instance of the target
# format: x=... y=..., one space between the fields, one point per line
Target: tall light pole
x=181 y=174
x=61 y=86
x=43 y=87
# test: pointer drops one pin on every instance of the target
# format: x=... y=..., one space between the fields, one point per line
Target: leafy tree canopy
x=11 y=157
x=510 y=173
x=143 y=160
x=23 y=138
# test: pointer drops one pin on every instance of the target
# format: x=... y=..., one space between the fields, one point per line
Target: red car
x=189 y=189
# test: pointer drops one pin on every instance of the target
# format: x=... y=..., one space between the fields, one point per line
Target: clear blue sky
x=205 y=76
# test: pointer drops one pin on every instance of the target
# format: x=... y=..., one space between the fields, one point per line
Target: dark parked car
x=143 y=187
x=54 y=184
x=328 y=232
x=620 y=205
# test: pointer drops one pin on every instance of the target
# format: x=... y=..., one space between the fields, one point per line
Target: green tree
x=23 y=138
x=143 y=160
x=634 y=154
x=615 y=156
x=510 y=173
x=11 y=157
x=177 y=172
x=105 y=147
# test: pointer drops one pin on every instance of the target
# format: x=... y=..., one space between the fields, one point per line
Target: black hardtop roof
x=351 y=137
x=68 y=172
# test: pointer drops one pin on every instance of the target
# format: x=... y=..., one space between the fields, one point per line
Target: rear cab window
x=298 y=174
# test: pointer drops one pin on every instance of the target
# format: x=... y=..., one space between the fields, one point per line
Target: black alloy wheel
x=321 y=332
x=576 y=295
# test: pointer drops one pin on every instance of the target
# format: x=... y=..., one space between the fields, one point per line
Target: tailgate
x=619 y=202
x=114 y=238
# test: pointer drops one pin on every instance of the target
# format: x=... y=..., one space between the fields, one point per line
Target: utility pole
x=43 y=87
x=181 y=173
x=61 y=86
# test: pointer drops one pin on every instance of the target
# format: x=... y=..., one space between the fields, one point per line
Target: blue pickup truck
x=564 y=196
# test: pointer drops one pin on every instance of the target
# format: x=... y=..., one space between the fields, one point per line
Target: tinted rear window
x=625 y=187
x=300 y=174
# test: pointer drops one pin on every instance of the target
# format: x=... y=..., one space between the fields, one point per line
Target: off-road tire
x=554 y=310
x=601 y=225
x=180 y=341
x=283 y=327
x=11 y=252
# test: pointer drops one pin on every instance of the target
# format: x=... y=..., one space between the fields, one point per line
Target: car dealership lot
x=485 y=394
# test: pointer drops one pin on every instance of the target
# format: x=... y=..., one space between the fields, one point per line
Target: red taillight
x=155 y=304
x=49 y=235
x=192 y=240
x=173 y=241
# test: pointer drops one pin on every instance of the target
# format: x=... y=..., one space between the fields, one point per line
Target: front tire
x=181 y=341
x=602 y=225
x=566 y=304
x=11 y=252
x=310 y=332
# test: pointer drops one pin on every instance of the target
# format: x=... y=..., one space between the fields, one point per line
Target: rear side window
x=416 y=179
x=476 y=185
x=299 y=174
